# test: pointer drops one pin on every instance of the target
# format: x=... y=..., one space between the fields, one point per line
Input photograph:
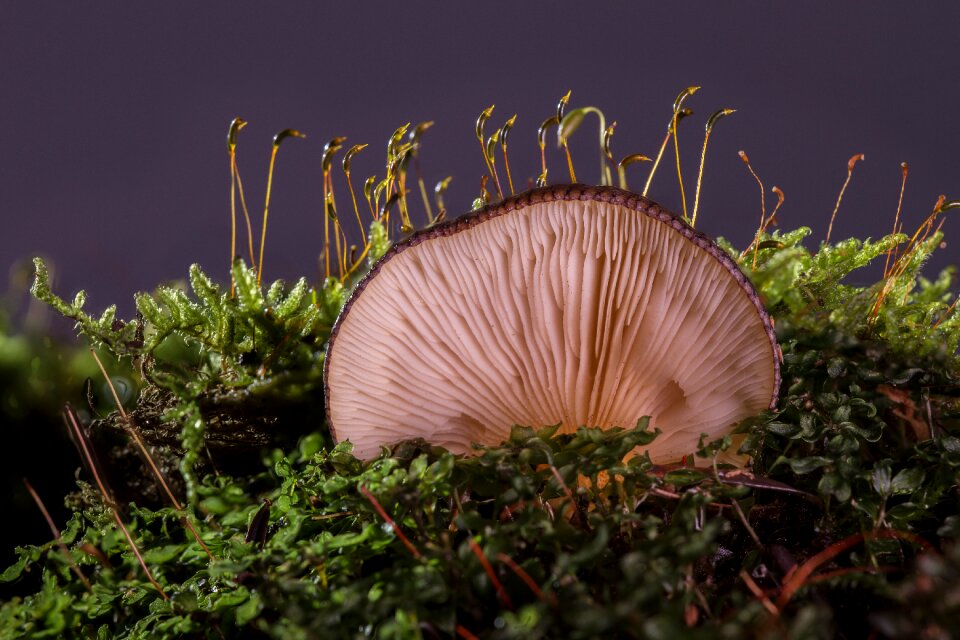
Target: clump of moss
x=846 y=524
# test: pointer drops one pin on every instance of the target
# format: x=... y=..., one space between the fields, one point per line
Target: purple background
x=113 y=118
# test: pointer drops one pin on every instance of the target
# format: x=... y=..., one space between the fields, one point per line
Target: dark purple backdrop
x=113 y=117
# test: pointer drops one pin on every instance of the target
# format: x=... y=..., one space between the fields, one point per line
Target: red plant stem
x=136 y=552
x=81 y=438
x=525 y=577
x=386 y=518
x=128 y=428
x=501 y=592
x=798 y=578
x=463 y=633
x=506 y=164
x=946 y=314
x=56 y=535
x=566 y=491
x=846 y=182
x=88 y=457
x=896 y=219
x=758 y=593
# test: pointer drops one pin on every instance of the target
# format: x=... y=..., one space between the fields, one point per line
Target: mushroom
x=567 y=305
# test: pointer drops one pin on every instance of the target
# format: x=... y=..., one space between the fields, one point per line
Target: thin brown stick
x=573 y=174
x=80 y=439
x=145 y=453
x=902 y=261
x=406 y=225
x=506 y=165
x=488 y=569
x=235 y=126
x=493 y=173
x=266 y=210
x=107 y=495
x=763 y=206
x=356 y=210
x=463 y=633
x=525 y=578
x=946 y=314
x=277 y=139
x=896 y=218
x=233 y=219
x=566 y=491
x=850 y=163
x=423 y=195
x=326 y=228
x=386 y=518
x=656 y=162
x=246 y=213
x=925 y=228
x=711 y=121
x=746 y=523
x=542 y=143
x=136 y=552
x=356 y=263
x=759 y=594
x=676 y=151
x=483 y=148
x=56 y=536
x=772 y=218
x=803 y=573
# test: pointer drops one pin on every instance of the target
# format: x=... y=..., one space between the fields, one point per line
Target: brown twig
x=850 y=163
x=772 y=219
x=946 y=314
x=566 y=490
x=145 y=453
x=501 y=592
x=56 y=536
x=763 y=207
x=746 y=523
x=386 y=518
x=463 y=633
x=759 y=594
x=84 y=445
x=525 y=578
x=902 y=262
x=801 y=576
x=896 y=220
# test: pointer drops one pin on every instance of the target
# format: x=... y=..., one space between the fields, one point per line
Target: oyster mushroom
x=568 y=304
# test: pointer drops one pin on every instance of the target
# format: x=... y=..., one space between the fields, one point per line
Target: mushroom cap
x=568 y=305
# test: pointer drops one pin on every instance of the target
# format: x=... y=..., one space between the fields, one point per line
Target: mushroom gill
x=569 y=304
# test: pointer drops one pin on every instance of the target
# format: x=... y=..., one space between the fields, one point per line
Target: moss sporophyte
x=567 y=414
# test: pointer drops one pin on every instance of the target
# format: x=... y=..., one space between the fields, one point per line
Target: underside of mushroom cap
x=565 y=305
